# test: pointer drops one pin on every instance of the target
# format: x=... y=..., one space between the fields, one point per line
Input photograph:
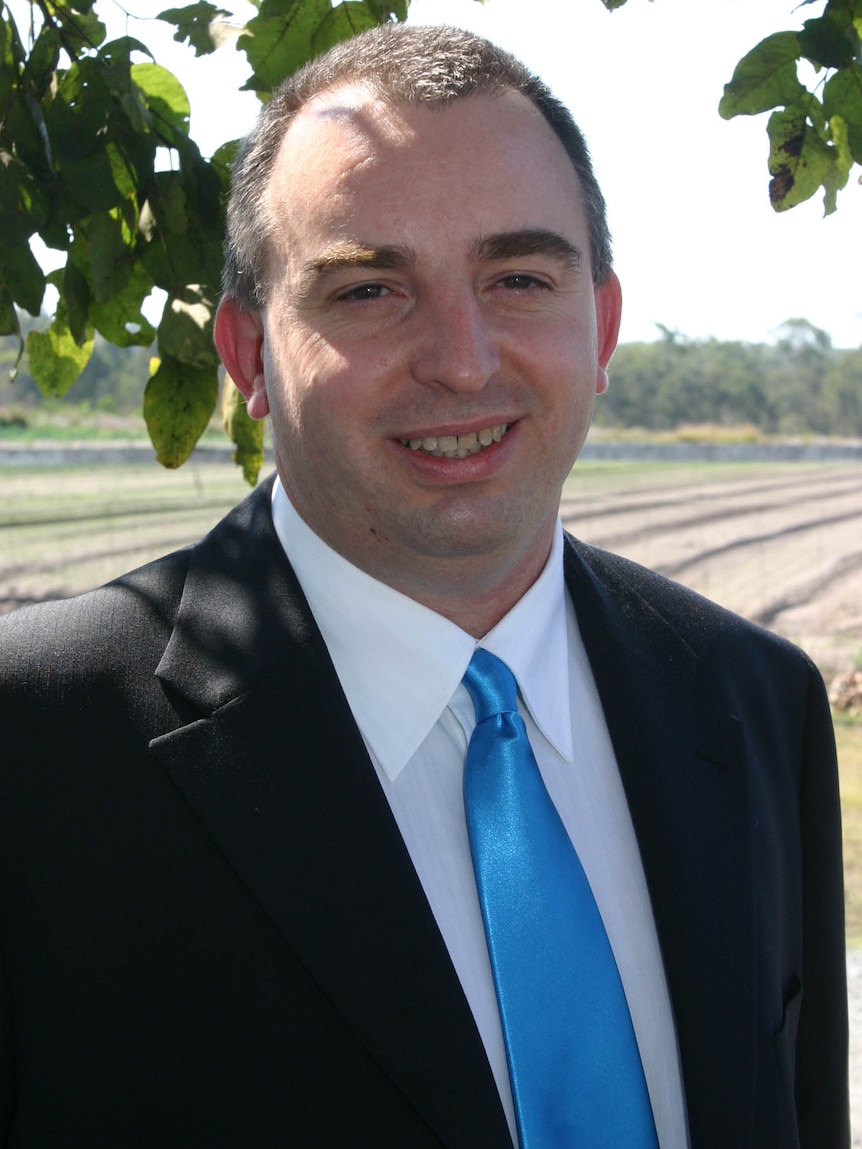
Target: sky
x=698 y=248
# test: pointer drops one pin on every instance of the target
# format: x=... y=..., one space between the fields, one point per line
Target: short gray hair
x=404 y=64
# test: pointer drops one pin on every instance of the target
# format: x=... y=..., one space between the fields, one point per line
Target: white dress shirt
x=400 y=665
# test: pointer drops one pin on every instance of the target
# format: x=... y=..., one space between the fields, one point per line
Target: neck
x=473 y=595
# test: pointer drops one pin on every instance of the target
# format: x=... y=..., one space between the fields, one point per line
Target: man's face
x=432 y=343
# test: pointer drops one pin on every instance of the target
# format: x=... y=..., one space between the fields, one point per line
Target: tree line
x=799 y=385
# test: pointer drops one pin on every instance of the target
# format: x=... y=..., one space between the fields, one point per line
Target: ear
x=238 y=336
x=609 y=306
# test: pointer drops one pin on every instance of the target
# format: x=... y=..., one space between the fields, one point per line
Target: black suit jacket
x=212 y=933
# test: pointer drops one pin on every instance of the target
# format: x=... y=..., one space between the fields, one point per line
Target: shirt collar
x=418 y=656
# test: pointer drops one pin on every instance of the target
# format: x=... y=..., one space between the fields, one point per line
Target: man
x=239 y=903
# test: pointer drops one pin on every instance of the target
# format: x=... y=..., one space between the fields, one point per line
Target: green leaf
x=222 y=161
x=102 y=180
x=23 y=203
x=9 y=324
x=799 y=159
x=163 y=94
x=764 y=78
x=42 y=61
x=245 y=433
x=81 y=30
x=55 y=358
x=76 y=293
x=203 y=188
x=842 y=162
x=178 y=405
x=193 y=23
x=25 y=130
x=74 y=6
x=110 y=255
x=341 y=23
x=183 y=229
x=78 y=115
x=8 y=63
x=115 y=66
x=58 y=230
x=186 y=329
x=23 y=277
x=278 y=40
x=120 y=319
x=842 y=96
x=825 y=42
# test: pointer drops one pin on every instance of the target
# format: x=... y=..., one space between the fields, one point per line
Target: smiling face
x=432 y=343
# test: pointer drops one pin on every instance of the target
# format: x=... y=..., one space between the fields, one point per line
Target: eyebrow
x=346 y=255
x=488 y=249
x=529 y=241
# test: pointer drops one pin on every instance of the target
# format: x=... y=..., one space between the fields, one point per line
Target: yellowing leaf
x=55 y=358
x=244 y=432
x=178 y=405
x=186 y=328
x=799 y=160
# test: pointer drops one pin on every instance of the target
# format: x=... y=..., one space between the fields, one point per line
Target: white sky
x=698 y=247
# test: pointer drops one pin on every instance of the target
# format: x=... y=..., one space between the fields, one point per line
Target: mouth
x=457 y=446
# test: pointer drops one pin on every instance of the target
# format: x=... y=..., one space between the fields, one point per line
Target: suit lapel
x=684 y=772
x=274 y=766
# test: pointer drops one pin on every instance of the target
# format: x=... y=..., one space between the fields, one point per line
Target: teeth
x=457 y=446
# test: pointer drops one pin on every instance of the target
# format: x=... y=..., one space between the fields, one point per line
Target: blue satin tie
x=573 y=1059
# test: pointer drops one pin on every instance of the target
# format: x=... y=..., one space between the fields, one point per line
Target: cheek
x=295 y=376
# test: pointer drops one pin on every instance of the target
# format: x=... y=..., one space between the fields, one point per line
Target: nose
x=456 y=344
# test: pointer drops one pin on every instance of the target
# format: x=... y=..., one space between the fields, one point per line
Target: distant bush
x=13 y=417
x=799 y=386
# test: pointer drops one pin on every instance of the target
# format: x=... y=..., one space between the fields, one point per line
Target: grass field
x=779 y=543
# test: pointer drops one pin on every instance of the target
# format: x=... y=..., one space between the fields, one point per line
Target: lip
x=480 y=466
x=446 y=429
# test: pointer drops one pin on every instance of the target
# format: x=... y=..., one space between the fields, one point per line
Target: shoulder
x=98 y=630
x=129 y=619
x=632 y=588
x=650 y=612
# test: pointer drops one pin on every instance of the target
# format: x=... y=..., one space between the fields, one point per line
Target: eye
x=520 y=281
x=364 y=291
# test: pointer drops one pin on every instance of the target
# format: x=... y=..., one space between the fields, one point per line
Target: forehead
x=351 y=158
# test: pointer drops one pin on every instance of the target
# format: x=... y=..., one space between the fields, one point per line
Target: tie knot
x=491 y=684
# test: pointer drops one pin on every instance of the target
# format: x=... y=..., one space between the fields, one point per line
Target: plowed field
x=778 y=543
